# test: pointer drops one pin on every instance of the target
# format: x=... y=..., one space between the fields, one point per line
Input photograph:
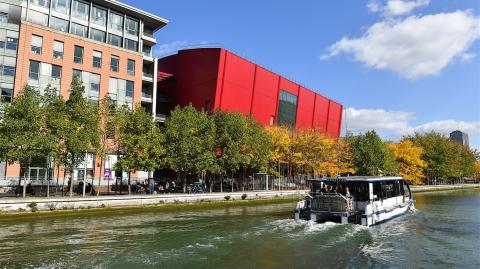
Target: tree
x=56 y=126
x=408 y=158
x=107 y=131
x=371 y=156
x=281 y=146
x=141 y=143
x=231 y=140
x=189 y=142
x=23 y=133
x=82 y=134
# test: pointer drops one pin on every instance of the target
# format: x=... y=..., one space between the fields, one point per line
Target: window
x=78 y=29
x=12 y=43
x=8 y=71
x=147 y=50
x=41 y=3
x=36 y=45
x=78 y=55
x=287 y=109
x=6 y=95
x=57 y=49
x=116 y=22
x=38 y=17
x=97 y=59
x=131 y=67
x=59 y=24
x=62 y=6
x=99 y=16
x=34 y=70
x=95 y=83
x=131 y=45
x=56 y=72
x=97 y=35
x=77 y=74
x=80 y=10
x=115 y=40
x=3 y=17
x=129 y=89
x=114 y=63
x=132 y=26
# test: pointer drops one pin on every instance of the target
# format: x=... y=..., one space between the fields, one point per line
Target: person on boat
x=324 y=188
x=347 y=193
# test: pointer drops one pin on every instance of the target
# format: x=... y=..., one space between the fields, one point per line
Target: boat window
x=388 y=189
x=404 y=189
x=359 y=191
x=377 y=191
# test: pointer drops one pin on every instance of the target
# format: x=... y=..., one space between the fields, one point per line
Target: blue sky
x=398 y=66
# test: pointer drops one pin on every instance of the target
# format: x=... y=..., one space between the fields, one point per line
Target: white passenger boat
x=359 y=200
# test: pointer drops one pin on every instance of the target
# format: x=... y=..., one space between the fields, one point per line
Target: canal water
x=444 y=232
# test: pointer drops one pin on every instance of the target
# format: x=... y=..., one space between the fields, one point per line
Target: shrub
x=51 y=206
x=227 y=197
x=244 y=196
x=33 y=207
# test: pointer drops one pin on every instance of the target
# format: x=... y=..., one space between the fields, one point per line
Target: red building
x=214 y=78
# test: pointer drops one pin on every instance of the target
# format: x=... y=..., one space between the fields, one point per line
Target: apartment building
x=106 y=43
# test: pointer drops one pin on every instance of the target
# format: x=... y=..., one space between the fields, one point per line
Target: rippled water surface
x=443 y=232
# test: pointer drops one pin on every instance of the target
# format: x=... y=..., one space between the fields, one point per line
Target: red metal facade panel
x=320 y=116
x=196 y=77
x=305 y=110
x=334 y=118
x=264 y=103
x=289 y=86
x=237 y=89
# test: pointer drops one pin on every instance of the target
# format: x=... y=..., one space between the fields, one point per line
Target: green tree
x=82 y=134
x=107 y=132
x=56 y=126
x=140 y=142
x=436 y=153
x=23 y=133
x=370 y=154
x=189 y=142
x=243 y=144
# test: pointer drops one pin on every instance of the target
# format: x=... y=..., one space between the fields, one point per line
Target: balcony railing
x=147 y=75
x=146 y=95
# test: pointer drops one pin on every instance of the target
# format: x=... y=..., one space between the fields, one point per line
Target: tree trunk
x=19 y=181
x=24 y=179
x=56 y=185
x=100 y=177
x=63 y=182
x=221 y=183
x=129 y=186
x=48 y=177
x=212 y=181
x=84 y=176
x=71 y=178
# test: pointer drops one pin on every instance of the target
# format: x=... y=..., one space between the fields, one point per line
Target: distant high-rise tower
x=459 y=137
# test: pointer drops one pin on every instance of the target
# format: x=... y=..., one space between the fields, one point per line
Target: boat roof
x=356 y=179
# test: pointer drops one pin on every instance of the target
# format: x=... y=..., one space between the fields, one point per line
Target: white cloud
x=413 y=47
x=448 y=126
x=164 y=49
x=396 y=7
x=398 y=123
x=363 y=120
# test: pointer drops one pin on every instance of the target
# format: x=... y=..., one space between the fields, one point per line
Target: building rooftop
x=152 y=21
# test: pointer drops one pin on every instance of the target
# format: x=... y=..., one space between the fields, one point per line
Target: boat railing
x=331 y=202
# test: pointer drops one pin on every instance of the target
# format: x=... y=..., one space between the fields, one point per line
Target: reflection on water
x=443 y=232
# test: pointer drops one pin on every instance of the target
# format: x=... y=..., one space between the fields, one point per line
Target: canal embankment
x=432 y=188
x=27 y=205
